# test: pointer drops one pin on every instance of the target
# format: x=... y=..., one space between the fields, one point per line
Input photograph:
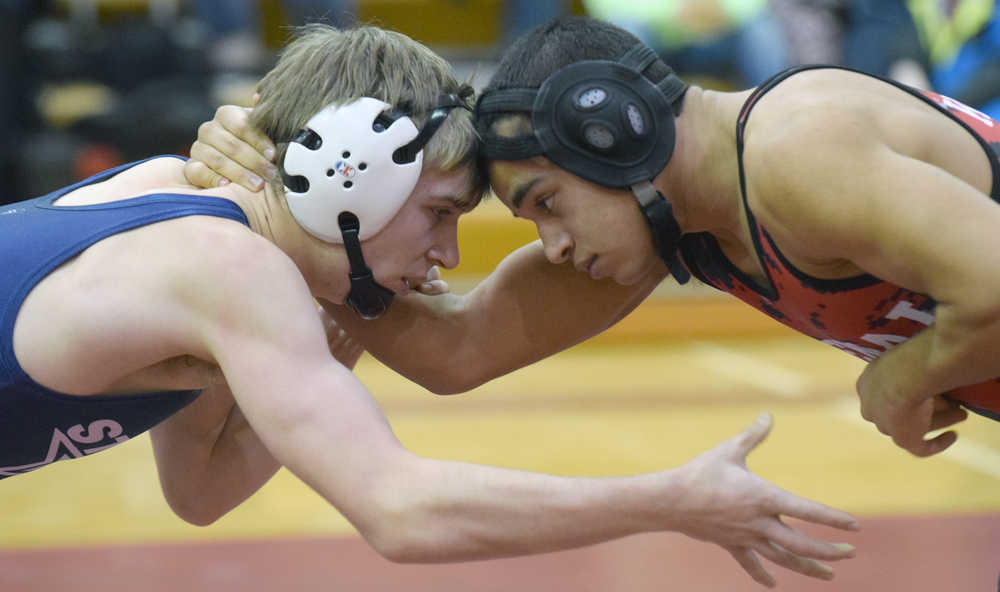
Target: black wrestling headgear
x=605 y=122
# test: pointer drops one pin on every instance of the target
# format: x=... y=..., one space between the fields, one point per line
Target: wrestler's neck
x=323 y=265
x=701 y=180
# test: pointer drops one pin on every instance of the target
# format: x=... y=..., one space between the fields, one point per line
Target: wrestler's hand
x=346 y=350
x=728 y=505
x=434 y=285
x=905 y=419
x=228 y=150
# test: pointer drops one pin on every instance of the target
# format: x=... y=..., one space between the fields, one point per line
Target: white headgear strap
x=352 y=169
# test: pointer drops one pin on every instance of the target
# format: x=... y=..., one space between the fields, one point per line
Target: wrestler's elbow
x=402 y=534
x=406 y=515
x=455 y=381
x=194 y=512
x=191 y=502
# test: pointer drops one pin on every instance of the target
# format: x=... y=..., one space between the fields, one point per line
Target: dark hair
x=561 y=42
x=552 y=46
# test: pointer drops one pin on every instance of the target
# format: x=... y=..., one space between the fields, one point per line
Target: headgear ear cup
x=349 y=172
x=347 y=165
x=605 y=122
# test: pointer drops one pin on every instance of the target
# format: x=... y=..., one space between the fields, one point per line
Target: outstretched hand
x=733 y=508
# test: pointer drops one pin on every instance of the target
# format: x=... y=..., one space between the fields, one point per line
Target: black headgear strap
x=368 y=298
x=605 y=122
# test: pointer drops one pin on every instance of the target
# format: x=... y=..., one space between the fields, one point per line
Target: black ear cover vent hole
x=599 y=136
x=297 y=183
x=346 y=154
x=348 y=184
x=330 y=172
x=362 y=166
x=635 y=120
x=381 y=123
x=309 y=139
x=592 y=98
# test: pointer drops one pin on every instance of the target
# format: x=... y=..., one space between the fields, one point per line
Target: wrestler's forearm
x=204 y=473
x=525 y=310
x=442 y=511
x=413 y=336
x=959 y=349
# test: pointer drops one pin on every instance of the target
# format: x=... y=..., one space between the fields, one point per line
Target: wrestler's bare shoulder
x=133 y=301
x=833 y=104
x=145 y=177
x=835 y=109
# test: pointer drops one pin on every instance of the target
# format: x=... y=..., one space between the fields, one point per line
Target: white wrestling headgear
x=346 y=160
x=349 y=172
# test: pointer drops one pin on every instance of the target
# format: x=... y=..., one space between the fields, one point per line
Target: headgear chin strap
x=349 y=172
x=605 y=122
x=367 y=297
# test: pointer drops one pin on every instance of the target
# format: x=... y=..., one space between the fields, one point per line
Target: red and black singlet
x=862 y=315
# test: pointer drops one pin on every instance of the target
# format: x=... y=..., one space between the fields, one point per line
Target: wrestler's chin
x=634 y=272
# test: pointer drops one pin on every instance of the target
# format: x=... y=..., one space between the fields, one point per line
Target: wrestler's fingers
x=803 y=565
x=789 y=504
x=347 y=351
x=434 y=288
x=797 y=542
x=234 y=124
x=943 y=403
x=743 y=443
x=751 y=564
x=947 y=417
x=198 y=174
x=924 y=448
x=434 y=285
x=222 y=165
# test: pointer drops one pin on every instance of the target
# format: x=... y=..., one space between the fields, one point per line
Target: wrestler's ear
x=254 y=99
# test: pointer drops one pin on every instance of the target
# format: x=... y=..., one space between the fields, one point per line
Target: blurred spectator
x=235 y=27
x=524 y=15
x=98 y=91
x=16 y=115
x=950 y=46
x=737 y=41
x=880 y=38
x=875 y=36
x=812 y=29
x=962 y=41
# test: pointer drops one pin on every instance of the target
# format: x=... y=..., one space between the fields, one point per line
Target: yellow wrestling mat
x=593 y=410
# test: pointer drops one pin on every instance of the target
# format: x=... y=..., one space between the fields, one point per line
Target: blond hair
x=324 y=65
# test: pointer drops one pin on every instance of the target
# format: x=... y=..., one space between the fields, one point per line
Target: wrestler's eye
x=544 y=203
x=442 y=213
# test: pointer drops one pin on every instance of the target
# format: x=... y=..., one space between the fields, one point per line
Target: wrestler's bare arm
x=525 y=310
x=837 y=191
x=209 y=458
x=315 y=418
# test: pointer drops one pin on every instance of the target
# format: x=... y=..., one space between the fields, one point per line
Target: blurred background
x=89 y=84
x=79 y=79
